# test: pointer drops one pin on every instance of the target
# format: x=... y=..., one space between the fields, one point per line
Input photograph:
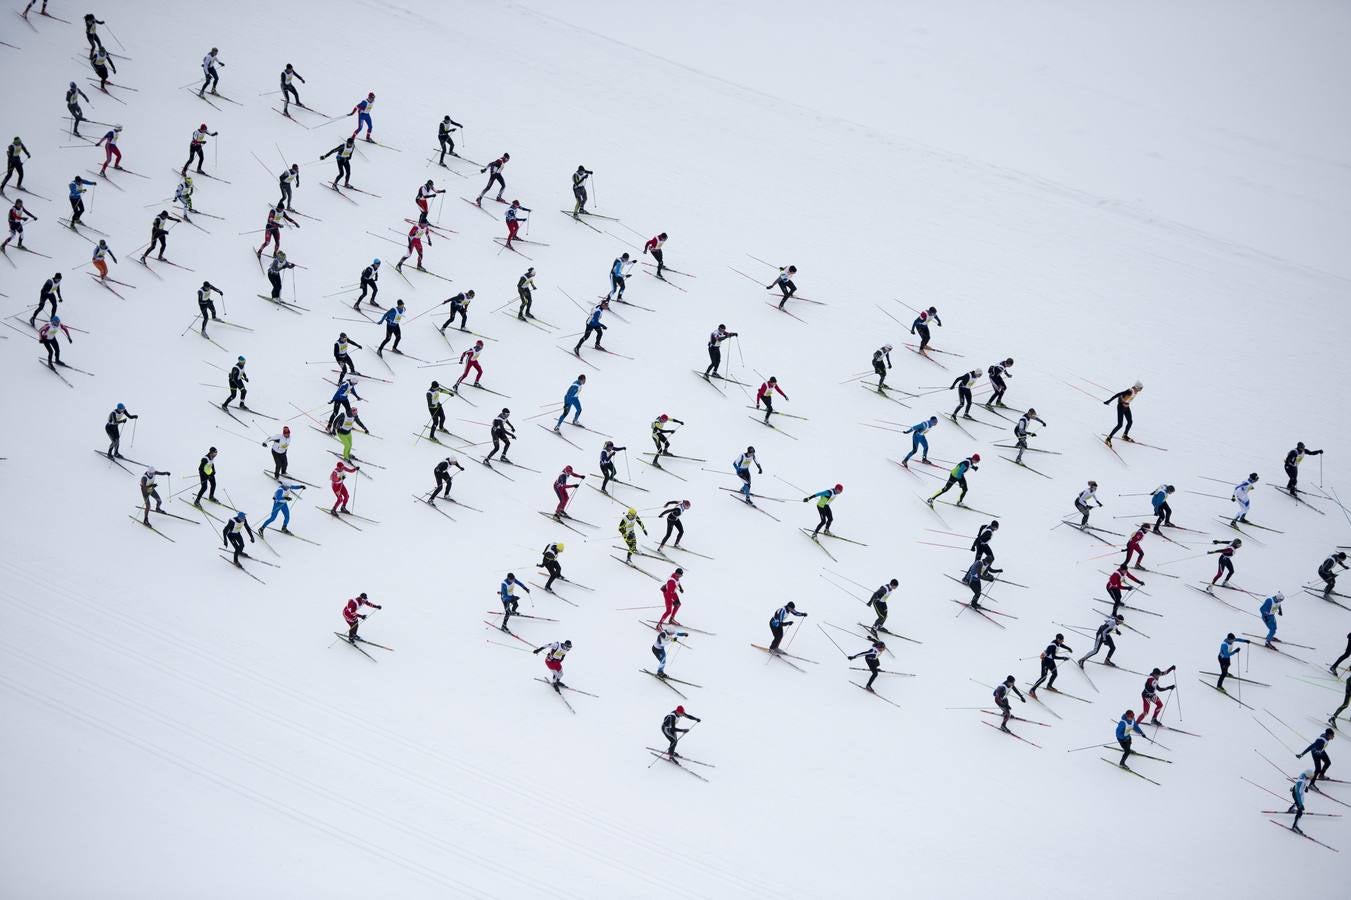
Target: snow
x=1104 y=193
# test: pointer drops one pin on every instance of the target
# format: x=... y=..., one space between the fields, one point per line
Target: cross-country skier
x=116 y=419
x=1149 y=694
x=281 y=504
x=742 y=467
x=76 y=197
x=1346 y=698
x=183 y=196
x=289 y=94
x=921 y=325
x=881 y=363
x=343 y=357
x=73 y=95
x=510 y=602
x=765 y=395
x=149 y=491
x=1292 y=461
x=280 y=444
x=579 y=190
x=206 y=477
x=1241 y=496
x=653 y=246
x=572 y=403
x=1123 y=411
x=784 y=282
x=826 y=518
x=1021 y=434
x=14 y=155
x=548 y=561
x=1163 y=513
x=870 y=657
x=469 y=358
x=562 y=485
x=434 y=409
x=1228 y=650
x=878 y=601
x=344 y=427
x=619 y=273
x=957 y=475
x=1134 y=546
x=1318 y=752
x=419 y=231
x=671 y=512
x=210 y=77
x=553 y=661
x=980 y=545
x=1297 y=798
x=494 y=170
x=1226 y=561
x=665 y=635
x=49 y=336
x=1001 y=699
x=1124 y=727
x=998 y=372
x=285 y=180
x=444 y=130
x=459 y=306
x=962 y=384
x=272 y=228
x=670 y=595
x=362 y=110
x=159 y=235
x=90 y=31
x=671 y=732
x=17 y=216
x=1116 y=583
x=715 y=350
x=337 y=481
x=50 y=293
x=231 y=538
x=501 y=431
x=593 y=326
x=978 y=572
x=353 y=617
x=343 y=158
x=660 y=432
x=525 y=285
x=426 y=193
x=1270 y=609
x=1325 y=570
x=444 y=478
x=608 y=471
x=782 y=619
x=1346 y=654
x=918 y=439
x=100 y=62
x=238 y=381
x=393 y=322
x=1086 y=496
x=101 y=250
x=1110 y=626
x=278 y=265
x=196 y=147
x=1049 y=657
x=626 y=530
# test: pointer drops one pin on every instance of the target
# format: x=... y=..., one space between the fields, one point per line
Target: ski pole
x=132 y=442
x=832 y=640
x=596 y=203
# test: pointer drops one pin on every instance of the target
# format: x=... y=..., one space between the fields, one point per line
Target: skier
x=280 y=444
x=1150 y=693
x=73 y=95
x=369 y=276
x=159 y=235
x=100 y=62
x=881 y=363
x=553 y=661
x=206 y=477
x=784 y=282
x=230 y=535
x=278 y=265
x=962 y=383
x=435 y=410
x=998 y=372
x=362 y=110
x=765 y=395
x=1086 y=496
x=50 y=293
x=238 y=381
x=90 y=31
x=1022 y=434
x=549 y=562
x=561 y=487
x=715 y=350
x=781 y=620
x=426 y=194
x=344 y=426
x=343 y=154
x=17 y=216
x=1228 y=651
x=1297 y=796
x=444 y=477
x=579 y=190
x=284 y=182
x=1163 y=513
x=1241 y=496
x=1270 y=609
x=510 y=602
x=415 y=235
x=459 y=306
x=183 y=196
x=670 y=594
x=1111 y=625
x=76 y=196
x=288 y=89
x=1325 y=571
x=1116 y=583
x=346 y=386
x=921 y=326
x=619 y=271
x=149 y=491
x=336 y=480
x=116 y=419
x=494 y=170
x=918 y=439
x=1346 y=698
x=660 y=432
x=979 y=571
x=671 y=732
x=14 y=155
x=878 y=601
x=470 y=359
x=626 y=530
x=525 y=285
x=1292 y=461
x=671 y=512
x=665 y=635
x=49 y=336
x=870 y=657
x=501 y=431
x=607 y=466
x=1123 y=411
x=980 y=545
x=196 y=148
x=281 y=503
x=392 y=320
x=351 y=615
x=443 y=132
x=1049 y=657
x=1226 y=562
x=211 y=77
x=1134 y=547
x=343 y=357
x=1124 y=727
x=206 y=306
x=514 y=217
x=593 y=326
x=1318 y=752
x=101 y=250
x=823 y=512
x=1346 y=654
x=742 y=467
x=957 y=475
x=272 y=228
x=1001 y=699
x=653 y=246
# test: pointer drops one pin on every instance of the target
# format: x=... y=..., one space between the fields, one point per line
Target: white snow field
x=1104 y=192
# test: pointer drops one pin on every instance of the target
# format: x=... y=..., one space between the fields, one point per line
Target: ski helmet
x=839 y=488
x=286 y=431
x=240 y=515
x=975 y=457
x=375 y=262
x=1280 y=597
x=121 y=407
x=240 y=360
x=632 y=513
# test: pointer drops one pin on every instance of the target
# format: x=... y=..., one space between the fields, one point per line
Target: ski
x=1129 y=769
x=734 y=495
x=144 y=524
x=353 y=643
x=676 y=762
x=1011 y=734
x=1291 y=829
x=785 y=653
x=665 y=682
x=1224 y=692
x=623 y=562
